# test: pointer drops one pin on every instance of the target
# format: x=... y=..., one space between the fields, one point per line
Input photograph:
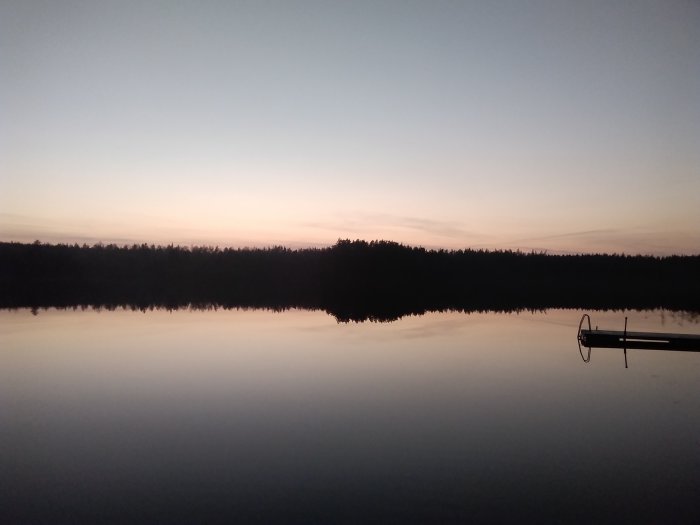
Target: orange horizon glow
x=558 y=128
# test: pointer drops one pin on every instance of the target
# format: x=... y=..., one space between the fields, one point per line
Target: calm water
x=255 y=416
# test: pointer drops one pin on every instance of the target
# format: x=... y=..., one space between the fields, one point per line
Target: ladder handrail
x=578 y=338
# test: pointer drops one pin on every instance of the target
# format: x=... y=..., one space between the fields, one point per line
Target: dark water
x=254 y=416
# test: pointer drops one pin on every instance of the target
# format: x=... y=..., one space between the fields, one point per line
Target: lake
x=242 y=416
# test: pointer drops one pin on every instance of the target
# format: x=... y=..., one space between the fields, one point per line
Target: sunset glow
x=565 y=127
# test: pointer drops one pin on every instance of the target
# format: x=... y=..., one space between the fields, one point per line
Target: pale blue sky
x=567 y=126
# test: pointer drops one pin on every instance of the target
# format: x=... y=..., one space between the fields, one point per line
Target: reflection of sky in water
x=212 y=416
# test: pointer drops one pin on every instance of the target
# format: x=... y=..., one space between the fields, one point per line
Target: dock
x=627 y=340
x=635 y=340
x=640 y=340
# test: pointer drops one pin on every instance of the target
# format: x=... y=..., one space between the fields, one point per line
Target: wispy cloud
x=23 y=228
x=433 y=227
x=573 y=235
x=633 y=240
x=365 y=223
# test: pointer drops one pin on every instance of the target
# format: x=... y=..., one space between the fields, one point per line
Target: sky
x=565 y=126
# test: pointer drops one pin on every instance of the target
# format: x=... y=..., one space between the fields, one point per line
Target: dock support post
x=624 y=341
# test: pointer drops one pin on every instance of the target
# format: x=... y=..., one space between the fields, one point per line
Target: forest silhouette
x=352 y=280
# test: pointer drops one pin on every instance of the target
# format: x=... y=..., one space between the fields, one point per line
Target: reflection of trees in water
x=681 y=316
x=353 y=280
x=344 y=315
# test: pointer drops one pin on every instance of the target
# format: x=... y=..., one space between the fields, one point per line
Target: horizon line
x=301 y=246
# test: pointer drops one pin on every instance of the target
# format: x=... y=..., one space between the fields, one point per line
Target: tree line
x=353 y=280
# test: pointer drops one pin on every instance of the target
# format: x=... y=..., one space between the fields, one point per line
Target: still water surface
x=290 y=417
